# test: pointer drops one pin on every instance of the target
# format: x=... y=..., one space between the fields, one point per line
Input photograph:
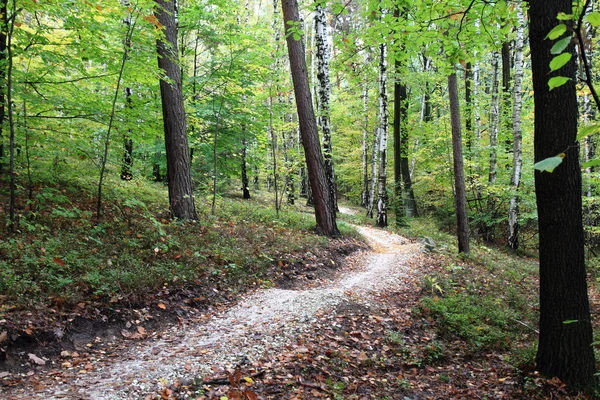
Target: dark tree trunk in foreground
x=462 y=223
x=181 y=197
x=565 y=349
x=324 y=211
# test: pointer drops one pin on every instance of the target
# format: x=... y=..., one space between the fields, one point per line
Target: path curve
x=262 y=322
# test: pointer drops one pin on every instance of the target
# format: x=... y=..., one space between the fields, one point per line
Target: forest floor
x=358 y=332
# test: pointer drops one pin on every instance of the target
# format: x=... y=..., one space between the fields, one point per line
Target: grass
x=488 y=298
x=61 y=255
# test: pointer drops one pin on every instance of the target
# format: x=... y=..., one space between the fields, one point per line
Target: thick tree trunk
x=382 y=197
x=462 y=223
x=324 y=211
x=322 y=49
x=565 y=339
x=181 y=196
x=513 y=208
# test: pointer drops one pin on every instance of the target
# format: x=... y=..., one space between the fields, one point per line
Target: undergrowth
x=488 y=299
x=62 y=255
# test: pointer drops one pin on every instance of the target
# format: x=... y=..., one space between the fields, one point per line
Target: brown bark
x=324 y=212
x=462 y=223
x=565 y=349
x=181 y=197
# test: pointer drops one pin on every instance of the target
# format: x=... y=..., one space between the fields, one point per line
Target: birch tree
x=324 y=211
x=513 y=209
x=324 y=91
x=382 y=198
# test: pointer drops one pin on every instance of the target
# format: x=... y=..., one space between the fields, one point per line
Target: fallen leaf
x=36 y=359
x=162 y=306
x=58 y=261
x=363 y=356
x=3 y=336
x=141 y=330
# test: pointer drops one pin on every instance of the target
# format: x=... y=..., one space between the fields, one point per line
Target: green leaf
x=550 y=163
x=559 y=61
x=593 y=18
x=570 y=321
x=587 y=130
x=564 y=17
x=557 y=81
x=561 y=45
x=556 y=32
x=591 y=163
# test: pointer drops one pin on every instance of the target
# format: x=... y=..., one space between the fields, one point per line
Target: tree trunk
x=565 y=339
x=513 y=208
x=504 y=120
x=322 y=48
x=181 y=196
x=462 y=223
x=127 y=161
x=245 y=183
x=403 y=182
x=373 y=185
x=382 y=199
x=3 y=54
x=494 y=118
x=364 y=198
x=469 y=109
x=324 y=211
x=9 y=87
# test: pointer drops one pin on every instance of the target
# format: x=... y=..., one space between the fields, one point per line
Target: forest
x=164 y=161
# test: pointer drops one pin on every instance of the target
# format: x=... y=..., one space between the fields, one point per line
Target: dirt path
x=263 y=322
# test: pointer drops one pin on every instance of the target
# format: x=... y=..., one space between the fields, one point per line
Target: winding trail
x=263 y=322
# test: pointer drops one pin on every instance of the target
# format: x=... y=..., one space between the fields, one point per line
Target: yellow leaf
x=248 y=379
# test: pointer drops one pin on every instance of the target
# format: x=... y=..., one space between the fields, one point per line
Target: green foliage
x=549 y=164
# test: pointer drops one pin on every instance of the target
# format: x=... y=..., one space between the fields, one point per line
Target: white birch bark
x=383 y=134
x=374 y=158
x=513 y=208
x=494 y=118
x=322 y=59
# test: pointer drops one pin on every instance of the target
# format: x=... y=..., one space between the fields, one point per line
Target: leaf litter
x=357 y=336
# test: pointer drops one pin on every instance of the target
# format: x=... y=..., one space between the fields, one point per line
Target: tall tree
x=181 y=196
x=513 y=208
x=323 y=108
x=364 y=198
x=382 y=198
x=3 y=53
x=324 y=211
x=565 y=339
x=462 y=223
